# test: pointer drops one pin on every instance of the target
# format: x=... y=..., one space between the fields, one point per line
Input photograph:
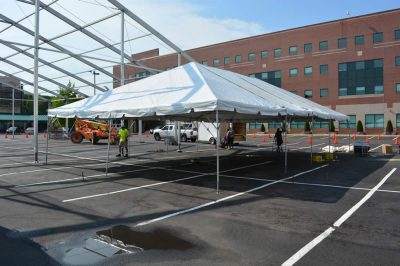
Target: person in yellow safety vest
x=123 y=141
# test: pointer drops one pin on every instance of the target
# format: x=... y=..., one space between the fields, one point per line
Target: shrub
x=307 y=127
x=360 y=127
x=262 y=128
x=389 y=127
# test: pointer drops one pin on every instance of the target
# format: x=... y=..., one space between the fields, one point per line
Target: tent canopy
x=195 y=92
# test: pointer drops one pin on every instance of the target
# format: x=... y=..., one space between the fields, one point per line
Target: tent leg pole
x=348 y=128
x=47 y=138
x=217 y=146
x=108 y=145
x=179 y=136
x=286 y=144
x=329 y=136
x=312 y=136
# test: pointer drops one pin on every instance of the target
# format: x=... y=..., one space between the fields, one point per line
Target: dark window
x=397 y=61
x=308 y=70
x=238 y=59
x=251 y=57
x=378 y=63
x=274 y=124
x=227 y=60
x=296 y=124
x=255 y=125
x=359 y=39
x=320 y=124
x=378 y=37
x=204 y=62
x=323 y=93
x=264 y=54
x=323 y=69
x=277 y=52
x=308 y=94
x=348 y=124
x=360 y=90
x=308 y=47
x=374 y=121
x=252 y=75
x=292 y=50
x=272 y=77
x=397 y=120
x=397 y=34
x=342 y=91
x=294 y=92
x=216 y=62
x=360 y=65
x=342 y=67
x=398 y=87
x=323 y=45
x=293 y=72
x=342 y=43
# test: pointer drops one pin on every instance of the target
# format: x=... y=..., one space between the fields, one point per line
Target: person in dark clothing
x=278 y=139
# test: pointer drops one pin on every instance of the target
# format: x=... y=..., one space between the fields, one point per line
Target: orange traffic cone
x=335 y=140
x=397 y=141
x=254 y=134
x=310 y=139
x=366 y=139
x=264 y=139
x=355 y=136
x=379 y=137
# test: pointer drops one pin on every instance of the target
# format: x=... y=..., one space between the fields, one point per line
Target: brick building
x=351 y=65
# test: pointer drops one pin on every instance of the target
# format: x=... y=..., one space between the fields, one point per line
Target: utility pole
x=94 y=80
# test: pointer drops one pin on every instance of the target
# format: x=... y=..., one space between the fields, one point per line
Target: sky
x=187 y=23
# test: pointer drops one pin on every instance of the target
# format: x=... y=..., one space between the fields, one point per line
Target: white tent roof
x=194 y=92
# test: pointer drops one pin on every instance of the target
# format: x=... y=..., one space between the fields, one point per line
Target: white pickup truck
x=188 y=131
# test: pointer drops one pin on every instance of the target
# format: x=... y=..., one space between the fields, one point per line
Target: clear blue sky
x=285 y=14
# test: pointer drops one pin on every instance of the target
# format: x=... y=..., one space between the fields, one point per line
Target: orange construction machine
x=92 y=131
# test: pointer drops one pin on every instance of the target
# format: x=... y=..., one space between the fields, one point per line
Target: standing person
x=231 y=136
x=278 y=139
x=123 y=141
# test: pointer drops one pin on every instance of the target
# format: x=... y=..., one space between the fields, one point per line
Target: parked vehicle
x=207 y=132
x=92 y=131
x=188 y=131
x=29 y=130
x=12 y=129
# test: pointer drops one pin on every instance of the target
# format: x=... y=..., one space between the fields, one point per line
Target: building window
x=374 y=121
x=323 y=93
x=308 y=48
x=320 y=124
x=360 y=65
x=216 y=62
x=378 y=37
x=227 y=60
x=308 y=70
x=359 y=40
x=252 y=75
x=204 y=62
x=378 y=63
x=264 y=54
x=251 y=57
x=264 y=75
x=296 y=124
x=348 y=124
x=342 y=91
x=397 y=121
x=238 y=59
x=342 y=43
x=293 y=72
x=360 y=90
x=397 y=61
x=272 y=77
x=292 y=50
x=255 y=125
x=277 y=52
x=397 y=34
x=323 y=69
x=378 y=89
x=398 y=87
x=308 y=94
x=323 y=45
x=342 y=67
x=274 y=124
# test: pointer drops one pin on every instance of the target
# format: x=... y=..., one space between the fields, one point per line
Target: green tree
x=262 y=128
x=360 y=127
x=331 y=126
x=389 y=126
x=307 y=127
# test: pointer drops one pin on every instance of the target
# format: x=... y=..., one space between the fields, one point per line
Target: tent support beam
x=217 y=146
x=286 y=129
x=36 y=84
x=312 y=136
x=108 y=145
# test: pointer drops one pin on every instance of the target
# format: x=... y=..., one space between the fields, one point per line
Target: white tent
x=194 y=92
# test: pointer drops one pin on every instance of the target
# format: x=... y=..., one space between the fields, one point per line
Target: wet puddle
x=122 y=239
x=155 y=239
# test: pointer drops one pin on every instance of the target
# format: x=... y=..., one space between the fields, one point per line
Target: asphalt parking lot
x=162 y=204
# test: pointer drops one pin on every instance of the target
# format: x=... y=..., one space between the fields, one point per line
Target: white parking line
x=307 y=147
x=33 y=163
x=376 y=148
x=226 y=198
x=161 y=183
x=307 y=248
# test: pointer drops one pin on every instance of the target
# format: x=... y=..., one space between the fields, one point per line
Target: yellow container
x=328 y=156
x=317 y=158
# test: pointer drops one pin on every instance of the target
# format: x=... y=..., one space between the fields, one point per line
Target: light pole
x=94 y=80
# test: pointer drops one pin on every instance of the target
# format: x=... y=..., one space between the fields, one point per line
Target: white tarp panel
x=194 y=91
